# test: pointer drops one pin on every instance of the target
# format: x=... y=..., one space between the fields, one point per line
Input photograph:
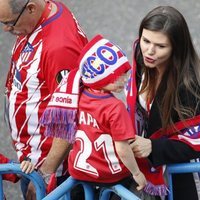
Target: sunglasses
x=14 y=22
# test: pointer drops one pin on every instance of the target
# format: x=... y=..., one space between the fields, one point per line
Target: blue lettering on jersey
x=17 y=80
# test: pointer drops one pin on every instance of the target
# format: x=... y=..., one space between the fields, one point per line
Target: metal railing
x=14 y=168
x=118 y=189
x=65 y=188
x=179 y=169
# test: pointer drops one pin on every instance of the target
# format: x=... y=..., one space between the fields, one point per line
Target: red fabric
x=148 y=173
x=52 y=183
x=9 y=177
x=132 y=92
x=102 y=62
x=93 y=157
x=52 y=49
x=190 y=135
x=59 y=118
x=156 y=184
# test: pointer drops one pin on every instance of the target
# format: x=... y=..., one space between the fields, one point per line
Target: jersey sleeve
x=58 y=63
x=165 y=151
x=120 y=123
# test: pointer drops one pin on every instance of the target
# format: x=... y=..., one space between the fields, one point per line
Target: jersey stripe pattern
x=53 y=48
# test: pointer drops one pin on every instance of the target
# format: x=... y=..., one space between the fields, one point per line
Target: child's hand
x=27 y=167
x=140 y=180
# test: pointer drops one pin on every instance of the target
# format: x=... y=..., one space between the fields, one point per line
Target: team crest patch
x=60 y=75
x=28 y=48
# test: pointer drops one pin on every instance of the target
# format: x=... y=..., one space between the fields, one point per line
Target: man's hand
x=141 y=147
x=59 y=150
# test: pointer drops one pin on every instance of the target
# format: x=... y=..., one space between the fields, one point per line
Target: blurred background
x=116 y=20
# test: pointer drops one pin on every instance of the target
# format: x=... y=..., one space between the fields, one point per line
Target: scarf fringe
x=156 y=190
x=60 y=123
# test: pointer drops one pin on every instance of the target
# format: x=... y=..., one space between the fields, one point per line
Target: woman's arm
x=166 y=151
x=163 y=150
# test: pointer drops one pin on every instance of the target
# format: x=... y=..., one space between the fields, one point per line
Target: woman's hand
x=141 y=147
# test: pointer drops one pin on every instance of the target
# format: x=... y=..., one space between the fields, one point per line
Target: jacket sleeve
x=165 y=151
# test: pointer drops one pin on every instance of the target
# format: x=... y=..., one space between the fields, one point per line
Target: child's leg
x=24 y=182
x=131 y=185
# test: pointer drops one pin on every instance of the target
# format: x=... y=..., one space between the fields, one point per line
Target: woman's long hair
x=184 y=66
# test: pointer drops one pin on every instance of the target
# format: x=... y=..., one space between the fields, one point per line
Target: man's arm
x=59 y=150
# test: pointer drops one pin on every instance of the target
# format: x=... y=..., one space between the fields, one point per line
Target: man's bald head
x=16 y=5
x=19 y=17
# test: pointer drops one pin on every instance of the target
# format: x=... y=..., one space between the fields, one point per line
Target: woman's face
x=156 y=49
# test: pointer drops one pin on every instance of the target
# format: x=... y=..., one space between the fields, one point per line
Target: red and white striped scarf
x=100 y=63
x=60 y=116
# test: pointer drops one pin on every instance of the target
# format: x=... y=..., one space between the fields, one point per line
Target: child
x=101 y=153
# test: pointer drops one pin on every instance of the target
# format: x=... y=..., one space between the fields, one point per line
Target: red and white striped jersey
x=38 y=61
x=103 y=119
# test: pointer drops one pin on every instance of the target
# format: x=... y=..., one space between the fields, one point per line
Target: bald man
x=48 y=43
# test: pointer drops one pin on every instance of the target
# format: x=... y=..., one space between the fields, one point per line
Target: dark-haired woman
x=166 y=70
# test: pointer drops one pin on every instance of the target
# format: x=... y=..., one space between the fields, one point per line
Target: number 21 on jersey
x=103 y=142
